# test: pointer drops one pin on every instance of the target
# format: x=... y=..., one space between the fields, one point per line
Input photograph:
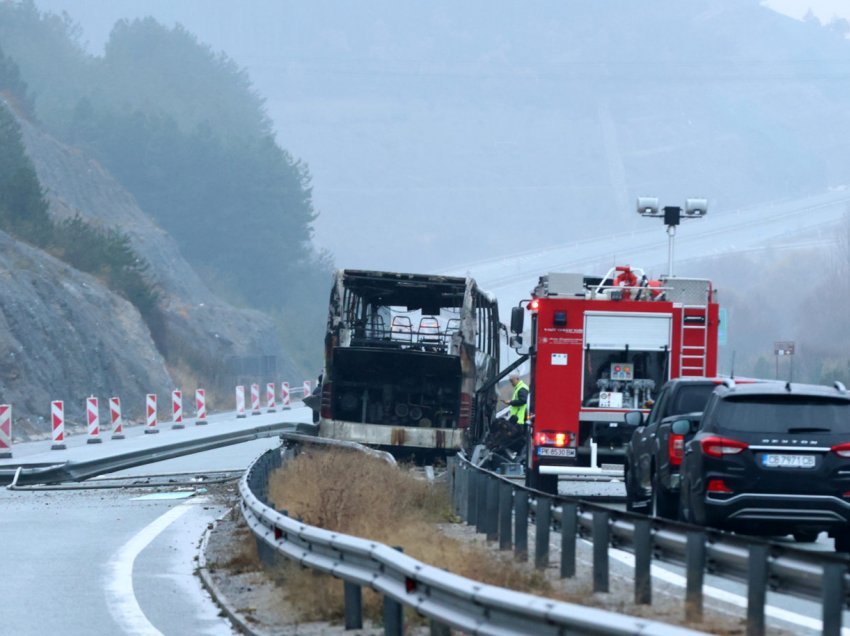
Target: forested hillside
x=180 y=126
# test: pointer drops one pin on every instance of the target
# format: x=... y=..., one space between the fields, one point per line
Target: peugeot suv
x=771 y=459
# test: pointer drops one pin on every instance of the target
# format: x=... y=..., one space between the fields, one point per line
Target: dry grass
x=351 y=493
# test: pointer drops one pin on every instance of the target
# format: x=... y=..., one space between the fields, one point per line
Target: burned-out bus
x=410 y=361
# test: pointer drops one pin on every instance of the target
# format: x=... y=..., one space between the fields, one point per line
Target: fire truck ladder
x=694 y=339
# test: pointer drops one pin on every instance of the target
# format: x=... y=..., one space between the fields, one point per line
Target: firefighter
x=518 y=401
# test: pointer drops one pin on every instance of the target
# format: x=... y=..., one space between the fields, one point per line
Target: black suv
x=653 y=455
x=771 y=459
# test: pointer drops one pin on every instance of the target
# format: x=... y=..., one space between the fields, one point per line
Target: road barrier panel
x=240 y=401
x=255 y=399
x=818 y=576
x=115 y=418
x=270 y=405
x=200 y=407
x=285 y=399
x=150 y=413
x=93 y=419
x=5 y=431
x=57 y=419
x=306 y=388
x=177 y=409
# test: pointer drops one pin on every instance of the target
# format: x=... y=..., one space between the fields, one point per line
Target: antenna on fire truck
x=672 y=215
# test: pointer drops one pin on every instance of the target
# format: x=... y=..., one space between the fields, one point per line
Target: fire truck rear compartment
x=400 y=388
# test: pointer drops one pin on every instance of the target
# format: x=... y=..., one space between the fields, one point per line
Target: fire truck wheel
x=543 y=483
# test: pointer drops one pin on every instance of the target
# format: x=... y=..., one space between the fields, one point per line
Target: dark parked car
x=771 y=459
x=653 y=454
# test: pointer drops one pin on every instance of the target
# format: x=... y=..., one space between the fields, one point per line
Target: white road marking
x=120 y=596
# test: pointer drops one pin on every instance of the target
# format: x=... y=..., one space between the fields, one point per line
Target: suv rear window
x=691 y=398
x=783 y=414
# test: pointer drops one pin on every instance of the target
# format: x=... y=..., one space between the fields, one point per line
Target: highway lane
x=783 y=611
x=116 y=561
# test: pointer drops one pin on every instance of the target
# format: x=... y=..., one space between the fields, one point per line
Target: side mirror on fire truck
x=633 y=418
x=517 y=320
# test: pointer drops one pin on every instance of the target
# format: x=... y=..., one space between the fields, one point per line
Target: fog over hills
x=438 y=131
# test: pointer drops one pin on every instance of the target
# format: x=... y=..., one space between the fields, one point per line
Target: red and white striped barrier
x=285 y=400
x=5 y=431
x=308 y=388
x=240 y=401
x=200 y=406
x=93 y=419
x=115 y=416
x=255 y=399
x=177 y=409
x=270 y=405
x=57 y=416
x=150 y=411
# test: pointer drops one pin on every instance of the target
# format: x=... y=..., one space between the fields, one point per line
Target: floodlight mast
x=672 y=215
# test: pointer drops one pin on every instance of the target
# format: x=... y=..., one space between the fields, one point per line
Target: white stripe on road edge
x=626 y=558
x=120 y=596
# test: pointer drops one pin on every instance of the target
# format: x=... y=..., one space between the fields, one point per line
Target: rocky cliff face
x=63 y=336
x=66 y=336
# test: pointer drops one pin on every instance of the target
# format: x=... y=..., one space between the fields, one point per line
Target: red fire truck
x=601 y=347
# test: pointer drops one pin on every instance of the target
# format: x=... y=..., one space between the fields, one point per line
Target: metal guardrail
x=28 y=475
x=447 y=599
x=501 y=509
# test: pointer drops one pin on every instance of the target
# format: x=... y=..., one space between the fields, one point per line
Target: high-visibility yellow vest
x=519 y=411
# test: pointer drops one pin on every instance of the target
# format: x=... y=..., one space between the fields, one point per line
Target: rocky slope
x=66 y=336
x=63 y=336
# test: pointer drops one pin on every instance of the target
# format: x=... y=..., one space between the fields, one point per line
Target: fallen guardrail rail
x=25 y=475
x=450 y=601
x=501 y=509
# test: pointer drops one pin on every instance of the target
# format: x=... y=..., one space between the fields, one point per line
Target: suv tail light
x=676 y=449
x=718 y=486
x=842 y=450
x=715 y=446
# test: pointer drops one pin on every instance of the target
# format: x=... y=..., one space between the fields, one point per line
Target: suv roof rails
x=839 y=386
x=729 y=383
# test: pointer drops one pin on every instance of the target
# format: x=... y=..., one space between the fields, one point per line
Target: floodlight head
x=696 y=207
x=648 y=206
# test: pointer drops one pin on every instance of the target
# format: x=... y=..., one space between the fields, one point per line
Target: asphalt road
x=119 y=560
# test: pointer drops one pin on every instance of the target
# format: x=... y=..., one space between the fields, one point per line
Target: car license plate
x=544 y=451
x=788 y=461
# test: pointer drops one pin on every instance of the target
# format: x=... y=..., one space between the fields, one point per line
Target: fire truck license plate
x=556 y=452
x=788 y=461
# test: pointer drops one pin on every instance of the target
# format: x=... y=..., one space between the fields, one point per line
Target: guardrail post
x=833 y=597
x=506 y=508
x=472 y=498
x=492 y=528
x=481 y=515
x=643 y=562
x=393 y=613
x=353 y=605
x=569 y=529
x=756 y=588
x=695 y=564
x=601 y=539
x=542 y=523
x=521 y=526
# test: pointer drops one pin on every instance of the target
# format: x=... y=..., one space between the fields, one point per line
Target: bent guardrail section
x=24 y=475
x=501 y=509
x=447 y=599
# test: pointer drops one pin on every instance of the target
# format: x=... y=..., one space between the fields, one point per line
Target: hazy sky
x=351 y=151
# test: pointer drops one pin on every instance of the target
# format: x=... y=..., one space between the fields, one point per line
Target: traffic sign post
x=784 y=348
